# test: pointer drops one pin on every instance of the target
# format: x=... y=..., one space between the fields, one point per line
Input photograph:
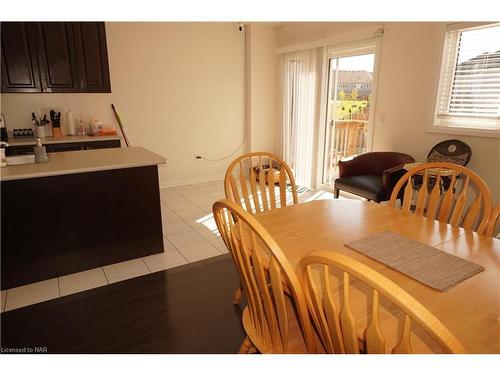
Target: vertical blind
x=299 y=74
x=470 y=75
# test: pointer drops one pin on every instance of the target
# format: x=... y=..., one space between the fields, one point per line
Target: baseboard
x=190 y=181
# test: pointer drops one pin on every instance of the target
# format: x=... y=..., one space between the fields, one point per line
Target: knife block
x=56 y=132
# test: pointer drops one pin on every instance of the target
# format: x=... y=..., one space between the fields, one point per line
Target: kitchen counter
x=20 y=141
x=63 y=163
x=81 y=210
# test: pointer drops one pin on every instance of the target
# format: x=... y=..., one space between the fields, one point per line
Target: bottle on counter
x=70 y=124
x=40 y=152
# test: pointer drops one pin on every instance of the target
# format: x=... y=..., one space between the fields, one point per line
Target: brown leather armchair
x=372 y=175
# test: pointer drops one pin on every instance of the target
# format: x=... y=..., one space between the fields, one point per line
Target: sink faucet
x=4 y=144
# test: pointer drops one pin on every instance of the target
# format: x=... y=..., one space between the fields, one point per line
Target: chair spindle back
x=445 y=192
x=264 y=273
x=259 y=181
x=337 y=325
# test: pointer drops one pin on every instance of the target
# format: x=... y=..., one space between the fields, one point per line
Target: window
x=469 y=87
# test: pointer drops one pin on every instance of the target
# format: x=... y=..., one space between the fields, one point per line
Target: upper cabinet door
x=56 y=53
x=92 y=56
x=20 y=71
x=54 y=57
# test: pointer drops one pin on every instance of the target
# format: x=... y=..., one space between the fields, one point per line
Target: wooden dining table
x=470 y=310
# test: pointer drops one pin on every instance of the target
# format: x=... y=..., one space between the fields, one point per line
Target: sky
x=476 y=42
x=361 y=62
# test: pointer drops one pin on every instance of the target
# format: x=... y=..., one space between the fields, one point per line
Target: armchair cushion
x=367 y=186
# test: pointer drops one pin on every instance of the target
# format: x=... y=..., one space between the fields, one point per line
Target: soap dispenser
x=40 y=152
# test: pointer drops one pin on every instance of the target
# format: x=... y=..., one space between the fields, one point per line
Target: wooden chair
x=275 y=321
x=340 y=331
x=444 y=193
x=251 y=181
x=493 y=221
x=258 y=182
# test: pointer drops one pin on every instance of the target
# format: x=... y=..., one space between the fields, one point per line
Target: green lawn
x=346 y=107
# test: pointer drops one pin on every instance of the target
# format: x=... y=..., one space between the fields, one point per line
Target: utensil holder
x=40 y=132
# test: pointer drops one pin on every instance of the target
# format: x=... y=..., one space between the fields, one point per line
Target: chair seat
x=367 y=186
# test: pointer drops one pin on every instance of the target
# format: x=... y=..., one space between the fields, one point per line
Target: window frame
x=461 y=125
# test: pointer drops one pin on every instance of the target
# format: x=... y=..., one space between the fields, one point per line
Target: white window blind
x=469 y=87
x=299 y=75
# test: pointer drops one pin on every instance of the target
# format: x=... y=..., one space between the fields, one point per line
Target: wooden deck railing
x=348 y=139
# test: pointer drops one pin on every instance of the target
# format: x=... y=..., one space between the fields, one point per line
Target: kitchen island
x=81 y=210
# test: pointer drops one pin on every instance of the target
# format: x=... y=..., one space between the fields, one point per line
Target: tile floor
x=190 y=234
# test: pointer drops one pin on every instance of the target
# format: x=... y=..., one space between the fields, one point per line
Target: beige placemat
x=430 y=266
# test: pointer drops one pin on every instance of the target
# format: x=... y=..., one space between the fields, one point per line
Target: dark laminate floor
x=184 y=310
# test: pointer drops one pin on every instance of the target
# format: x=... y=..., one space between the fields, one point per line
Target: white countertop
x=20 y=141
x=62 y=163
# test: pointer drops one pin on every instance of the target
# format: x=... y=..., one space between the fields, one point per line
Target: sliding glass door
x=349 y=104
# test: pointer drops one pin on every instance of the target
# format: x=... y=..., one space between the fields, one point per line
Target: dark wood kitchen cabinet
x=20 y=72
x=57 y=57
x=92 y=56
x=52 y=57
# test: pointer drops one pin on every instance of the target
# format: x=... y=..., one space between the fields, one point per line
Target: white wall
x=408 y=72
x=263 y=87
x=295 y=35
x=179 y=88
